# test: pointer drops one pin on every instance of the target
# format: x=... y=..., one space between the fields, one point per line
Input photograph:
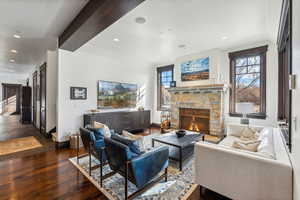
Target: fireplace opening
x=194 y=119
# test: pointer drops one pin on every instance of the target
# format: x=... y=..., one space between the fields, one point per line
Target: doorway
x=10 y=104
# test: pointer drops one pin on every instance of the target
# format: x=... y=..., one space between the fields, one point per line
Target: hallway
x=11 y=128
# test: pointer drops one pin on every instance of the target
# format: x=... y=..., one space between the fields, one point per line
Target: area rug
x=18 y=144
x=179 y=185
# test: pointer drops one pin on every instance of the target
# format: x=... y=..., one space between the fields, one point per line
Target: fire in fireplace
x=194 y=119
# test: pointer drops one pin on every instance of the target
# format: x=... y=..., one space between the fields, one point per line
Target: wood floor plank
x=53 y=178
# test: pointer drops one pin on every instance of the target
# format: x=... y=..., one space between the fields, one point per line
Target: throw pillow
x=107 y=132
x=248 y=134
x=130 y=143
x=98 y=132
x=248 y=146
x=235 y=130
x=137 y=138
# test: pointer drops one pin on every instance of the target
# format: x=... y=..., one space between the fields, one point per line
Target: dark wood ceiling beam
x=96 y=16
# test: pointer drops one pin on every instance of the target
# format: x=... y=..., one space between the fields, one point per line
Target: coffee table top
x=172 y=139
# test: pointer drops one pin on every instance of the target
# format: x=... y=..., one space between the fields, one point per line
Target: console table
x=121 y=120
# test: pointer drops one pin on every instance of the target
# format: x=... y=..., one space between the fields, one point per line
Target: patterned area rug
x=178 y=186
x=18 y=144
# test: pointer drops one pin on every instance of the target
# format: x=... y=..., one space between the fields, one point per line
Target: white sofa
x=244 y=175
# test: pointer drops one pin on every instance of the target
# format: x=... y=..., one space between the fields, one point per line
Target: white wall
x=51 y=89
x=295 y=155
x=219 y=73
x=84 y=70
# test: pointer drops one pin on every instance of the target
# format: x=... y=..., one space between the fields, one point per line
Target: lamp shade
x=244 y=107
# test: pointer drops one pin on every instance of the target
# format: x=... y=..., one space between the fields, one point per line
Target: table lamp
x=244 y=108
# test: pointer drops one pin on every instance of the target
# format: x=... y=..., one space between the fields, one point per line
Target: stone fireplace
x=198 y=108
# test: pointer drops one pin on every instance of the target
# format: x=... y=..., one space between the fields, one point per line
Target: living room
x=170 y=100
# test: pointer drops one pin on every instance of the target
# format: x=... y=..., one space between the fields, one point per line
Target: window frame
x=159 y=93
x=262 y=52
x=285 y=69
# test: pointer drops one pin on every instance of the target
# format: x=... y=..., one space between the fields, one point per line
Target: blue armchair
x=141 y=170
x=94 y=146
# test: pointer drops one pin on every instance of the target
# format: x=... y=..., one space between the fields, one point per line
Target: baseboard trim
x=62 y=145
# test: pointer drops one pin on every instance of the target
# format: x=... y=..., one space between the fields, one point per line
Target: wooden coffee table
x=181 y=148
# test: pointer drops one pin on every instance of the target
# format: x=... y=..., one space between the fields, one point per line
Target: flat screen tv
x=114 y=95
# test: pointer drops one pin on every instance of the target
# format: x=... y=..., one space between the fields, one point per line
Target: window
x=164 y=79
x=248 y=81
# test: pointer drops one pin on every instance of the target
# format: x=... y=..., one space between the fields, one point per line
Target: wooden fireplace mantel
x=212 y=87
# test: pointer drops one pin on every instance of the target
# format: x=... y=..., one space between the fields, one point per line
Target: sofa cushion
x=107 y=132
x=246 y=145
x=266 y=146
x=248 y=134
x=138 y=139
x=235 y=130
x=98 y=132
x=130 y=143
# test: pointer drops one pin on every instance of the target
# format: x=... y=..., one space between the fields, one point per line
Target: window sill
x=250 y=116
x=163 y=109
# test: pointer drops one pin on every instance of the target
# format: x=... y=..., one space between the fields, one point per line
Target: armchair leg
x=149 y=185
x=77 y=149
x=201 y=188
x=101 y=170
x=90 y=162
x=126 y=180
x=166 y=174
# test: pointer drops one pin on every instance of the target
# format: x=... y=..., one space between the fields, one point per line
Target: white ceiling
x=199 y=24
x=39 y=22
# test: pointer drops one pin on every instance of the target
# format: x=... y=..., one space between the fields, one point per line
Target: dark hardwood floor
x=11 y=128
x=48 y=175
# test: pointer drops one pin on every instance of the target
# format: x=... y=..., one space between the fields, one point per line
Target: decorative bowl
x=180 y=133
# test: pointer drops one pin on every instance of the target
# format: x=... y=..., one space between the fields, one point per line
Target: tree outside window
x=164 y=78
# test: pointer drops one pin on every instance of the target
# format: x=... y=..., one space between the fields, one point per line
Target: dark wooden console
x=121 y=120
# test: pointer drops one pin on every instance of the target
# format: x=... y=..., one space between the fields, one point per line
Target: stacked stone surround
x=201 y=97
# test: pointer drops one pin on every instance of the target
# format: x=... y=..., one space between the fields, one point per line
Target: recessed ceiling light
x=224 y=38
x=116 y=39
x=140 y=20
x=181 y=46
x=17 y=36
x=14 y=51
x=12 y=60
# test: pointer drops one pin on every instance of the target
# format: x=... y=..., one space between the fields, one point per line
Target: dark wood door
x=34 y=98
x=43 y=71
